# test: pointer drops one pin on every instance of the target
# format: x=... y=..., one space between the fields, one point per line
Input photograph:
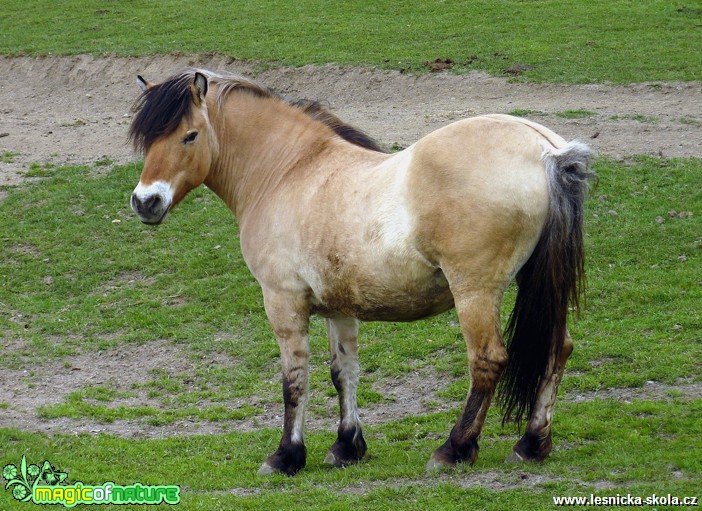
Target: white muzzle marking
x=152 y=202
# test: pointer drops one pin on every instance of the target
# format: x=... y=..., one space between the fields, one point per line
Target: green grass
x=635 y=117
x=8 y=156
x=552 y=40
x=605 y=447
x=575 y=114
x=525 y=112
x=81 y=275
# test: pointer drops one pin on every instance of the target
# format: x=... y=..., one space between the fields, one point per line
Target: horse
x=330 y=224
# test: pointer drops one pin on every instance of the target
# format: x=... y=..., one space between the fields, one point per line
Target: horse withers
x=332 y=225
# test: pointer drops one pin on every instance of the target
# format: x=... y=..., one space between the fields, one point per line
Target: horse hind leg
x=487 y=357
x=536 y=443
x=350 y=446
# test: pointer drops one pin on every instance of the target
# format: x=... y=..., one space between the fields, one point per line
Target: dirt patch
x=651 y=391
x=78 y=109
x=491 y=479
x=125 y=370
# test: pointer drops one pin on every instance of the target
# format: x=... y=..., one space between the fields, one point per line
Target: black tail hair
x=549 y=283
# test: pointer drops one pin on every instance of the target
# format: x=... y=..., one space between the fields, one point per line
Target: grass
x=575 y=114
x=656 y=444
x=76 y=282
x=525 y=112
x=648 y=119
x=8 y=156
x=577 y=42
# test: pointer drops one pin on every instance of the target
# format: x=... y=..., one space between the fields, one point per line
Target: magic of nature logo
x=44 y=484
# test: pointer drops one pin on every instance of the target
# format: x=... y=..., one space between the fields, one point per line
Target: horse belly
x=400 y=296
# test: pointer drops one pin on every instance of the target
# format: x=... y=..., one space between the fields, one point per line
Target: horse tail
x=549 y=283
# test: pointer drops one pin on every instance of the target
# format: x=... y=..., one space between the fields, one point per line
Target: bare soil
x=78 y=109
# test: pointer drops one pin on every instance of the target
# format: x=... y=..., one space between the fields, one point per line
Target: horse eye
x=190 y=137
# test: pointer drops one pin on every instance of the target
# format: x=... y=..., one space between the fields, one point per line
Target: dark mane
x=319 y=113
x=160 y=109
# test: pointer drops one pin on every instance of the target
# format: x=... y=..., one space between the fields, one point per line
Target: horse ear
x=143 y=84
x=200 y=83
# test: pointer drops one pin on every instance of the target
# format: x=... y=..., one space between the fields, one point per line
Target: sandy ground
x=78 y=109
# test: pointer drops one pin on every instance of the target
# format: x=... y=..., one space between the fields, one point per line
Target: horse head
x=172 y=127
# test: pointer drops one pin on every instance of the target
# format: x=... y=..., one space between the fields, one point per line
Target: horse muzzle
x=152 y=202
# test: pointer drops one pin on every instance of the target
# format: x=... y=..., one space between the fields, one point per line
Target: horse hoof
x=515 y=457
x=332 y=460
x=266 y=469
x=436 y=465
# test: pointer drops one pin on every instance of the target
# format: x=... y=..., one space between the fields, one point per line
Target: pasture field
x=136 y=354
x=83 y=279
x=617 y=41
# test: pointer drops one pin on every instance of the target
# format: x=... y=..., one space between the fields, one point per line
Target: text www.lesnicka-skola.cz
x=627 y=500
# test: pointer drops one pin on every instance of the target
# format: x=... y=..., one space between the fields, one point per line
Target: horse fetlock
x=349 y=448
x=288 y=459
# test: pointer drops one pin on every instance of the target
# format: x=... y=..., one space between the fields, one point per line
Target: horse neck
x=261 y=140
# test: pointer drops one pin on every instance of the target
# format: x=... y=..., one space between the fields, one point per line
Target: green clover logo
x=20 y=492
x=26 y=478
x=21 y=487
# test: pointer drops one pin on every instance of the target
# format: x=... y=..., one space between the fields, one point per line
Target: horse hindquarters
x=483 y=211
x=509 y=209
x=549 y=282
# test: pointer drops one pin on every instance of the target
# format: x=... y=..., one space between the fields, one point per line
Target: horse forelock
x=160 y=109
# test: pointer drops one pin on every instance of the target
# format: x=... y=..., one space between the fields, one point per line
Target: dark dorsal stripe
x=160 y=109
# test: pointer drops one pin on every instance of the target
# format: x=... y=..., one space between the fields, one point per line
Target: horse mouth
x=151 y=209
x=153 y=220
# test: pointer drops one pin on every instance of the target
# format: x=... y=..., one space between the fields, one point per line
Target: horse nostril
x=136 y=203
x=153 y=204
x=150 y=206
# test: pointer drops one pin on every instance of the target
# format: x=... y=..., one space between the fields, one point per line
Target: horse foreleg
x=290 y=321
x=350 y=446
x=487 y=358
x=536 y=443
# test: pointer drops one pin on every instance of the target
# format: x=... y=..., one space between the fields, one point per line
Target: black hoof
x=451 y=453
x=349 y=448
x=287 y=460
x=532 y=447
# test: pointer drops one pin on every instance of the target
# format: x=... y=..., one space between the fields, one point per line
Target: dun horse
x=332 y=225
